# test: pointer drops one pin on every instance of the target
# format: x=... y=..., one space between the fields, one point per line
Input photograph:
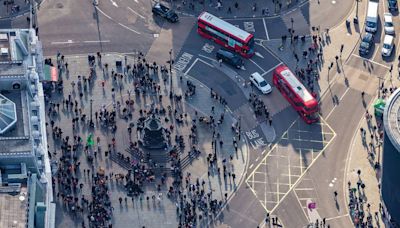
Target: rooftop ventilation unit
x=3 y=37
x=4 y=51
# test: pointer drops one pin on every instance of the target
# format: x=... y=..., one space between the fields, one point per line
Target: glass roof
x=8 y=115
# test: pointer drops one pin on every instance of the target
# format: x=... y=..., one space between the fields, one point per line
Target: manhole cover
x=59 y=5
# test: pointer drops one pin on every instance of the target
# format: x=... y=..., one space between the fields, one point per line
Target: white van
x=371 y=22
x=387 y=45
x=259 y=82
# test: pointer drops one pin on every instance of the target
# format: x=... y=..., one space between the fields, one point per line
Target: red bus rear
x=225 y=34
x=296 y=93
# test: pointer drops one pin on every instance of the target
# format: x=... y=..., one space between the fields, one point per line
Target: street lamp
x=129 y=99
x=91 y=112
x=329 y=69
x=291 y=29
x=170 y=72
x=215 y=148
x=356 y=9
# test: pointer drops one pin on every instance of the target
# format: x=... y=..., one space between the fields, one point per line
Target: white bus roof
x=296 y=85
x=217 y=22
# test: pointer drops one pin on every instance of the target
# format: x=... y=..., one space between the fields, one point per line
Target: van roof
x=257 y=76
x=372 y=9
x=388 y=17
x=388 y=39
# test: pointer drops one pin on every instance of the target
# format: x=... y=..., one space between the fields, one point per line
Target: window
x=221 y=35
x=216 y=33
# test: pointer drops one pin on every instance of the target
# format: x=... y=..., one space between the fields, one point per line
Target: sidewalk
x=363 y=172
x=244 y=9
x=13 y=8
x=331 y=44
x=362 y=176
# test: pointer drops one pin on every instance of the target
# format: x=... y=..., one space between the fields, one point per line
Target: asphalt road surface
x=302 y=162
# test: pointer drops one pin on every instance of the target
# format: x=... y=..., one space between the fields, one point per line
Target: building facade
x=25 y=170
x=390 y=181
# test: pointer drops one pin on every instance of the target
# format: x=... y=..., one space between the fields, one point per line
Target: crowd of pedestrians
x=85 y=194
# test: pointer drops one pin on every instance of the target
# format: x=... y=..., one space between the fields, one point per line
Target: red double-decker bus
x=225 y=34
x=296 y=93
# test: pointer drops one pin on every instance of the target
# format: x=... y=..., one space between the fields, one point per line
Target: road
x=290 y=162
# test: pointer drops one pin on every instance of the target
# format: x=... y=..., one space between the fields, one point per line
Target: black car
x=392 y=5
x=165 y=12
x=230 y=58
x=366 y=44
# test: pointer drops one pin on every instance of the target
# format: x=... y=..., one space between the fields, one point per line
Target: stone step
x=124 y=164
x=187 y=160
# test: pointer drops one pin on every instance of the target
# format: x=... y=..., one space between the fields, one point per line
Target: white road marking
x=303 y=189
x=257 y=65
x=339 y=216
x=133 y=11
x=114 y=3
x=96 y=41
x=129 y=28
x=205 y=63
x=259 y=55
x=124 y=26
x=273 y=68
x=191 y=66
x=136 y=1
x=251 y=166
x=266 y=30
x=207 y=58
x=63 y=42
x=103 y=13
x=249 y=26
x=340 y=99
x=371 y=61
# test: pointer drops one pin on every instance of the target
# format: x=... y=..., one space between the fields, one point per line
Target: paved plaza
x=156 y=206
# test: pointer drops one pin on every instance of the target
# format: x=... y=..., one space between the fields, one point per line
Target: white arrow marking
x=114 y=3
x=259 y=55
x=242 y=68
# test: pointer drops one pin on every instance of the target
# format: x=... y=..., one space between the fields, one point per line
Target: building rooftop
x=8 y=114
x=13 y=209
x=391 y=119
x=16 y=139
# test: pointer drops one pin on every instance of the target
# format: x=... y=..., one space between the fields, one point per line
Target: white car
x=388 y=23
x=387 y=45
x=259 y=82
